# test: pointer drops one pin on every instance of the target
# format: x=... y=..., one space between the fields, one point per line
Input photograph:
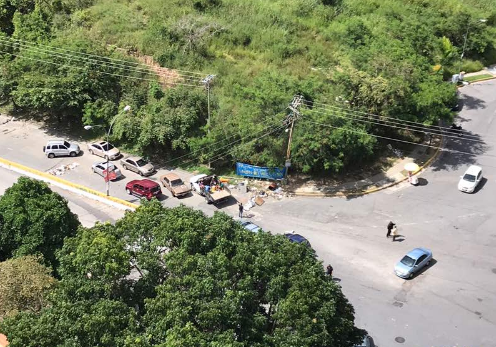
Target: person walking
x=394 y=233
x=329 y=270
x=240 y=206
x=390 y=227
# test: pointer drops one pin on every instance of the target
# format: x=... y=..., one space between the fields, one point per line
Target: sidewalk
x=396 y=174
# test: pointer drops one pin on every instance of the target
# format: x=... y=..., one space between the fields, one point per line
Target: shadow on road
x=471 y=103
x=422 y=182
x=425 y=268
x=481 y=184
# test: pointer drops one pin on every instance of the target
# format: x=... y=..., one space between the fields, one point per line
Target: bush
x=471 y=66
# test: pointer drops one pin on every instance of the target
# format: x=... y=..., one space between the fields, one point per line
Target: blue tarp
x=275 y=173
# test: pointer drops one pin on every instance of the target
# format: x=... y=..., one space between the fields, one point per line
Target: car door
x=55 y=150
x=97 y=150
x=138 y=190
x=132 y=165
x=419 y=264
x=99 y=169
x=479 y=177
x=63 y=150
x=167 y=183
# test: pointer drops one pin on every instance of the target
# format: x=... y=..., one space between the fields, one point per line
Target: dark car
x=297 y=238
x=143 y=188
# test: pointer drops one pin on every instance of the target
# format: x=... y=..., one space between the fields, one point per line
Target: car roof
x=54 y=141
x=417 y=252
x=145 y=183
x=104 y=163
x=295 y=238
x=134 y=158
x=101 y=143
x=171 y=176
x=473 y=170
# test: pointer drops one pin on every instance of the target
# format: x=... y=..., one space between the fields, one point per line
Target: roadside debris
x=59 y=171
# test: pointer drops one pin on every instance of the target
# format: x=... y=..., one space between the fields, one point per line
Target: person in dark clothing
x=240 y=206
x=390 y=227
x=329 y=270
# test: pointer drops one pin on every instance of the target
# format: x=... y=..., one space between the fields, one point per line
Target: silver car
x=104 y=149
x=99 y=168
x=413 y=262
x=138 y=165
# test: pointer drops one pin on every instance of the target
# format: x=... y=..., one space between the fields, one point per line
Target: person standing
x=329 y=270
x=390 y=227
x=240 y=207
x=395 y=233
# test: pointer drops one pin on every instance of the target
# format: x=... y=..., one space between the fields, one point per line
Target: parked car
x=138 y=165
x=413 y=262
x=471 y=179
x=297 y=238
x=175 y=185
x=104 y=149
x=251 y=227
x=59 y=148
x=99 y=168
x=143 y=188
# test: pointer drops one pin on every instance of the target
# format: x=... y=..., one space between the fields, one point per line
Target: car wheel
x=411 y=275
x=128 y=191
x=174 y=195
x=93 y=169
x=428 y=263
x=125 y=167
x=140 y=173
x=91 y=151
x=106 y=157
x=73 y=154
x=51 y=155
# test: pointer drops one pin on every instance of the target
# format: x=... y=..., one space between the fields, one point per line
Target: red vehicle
x=143 y=188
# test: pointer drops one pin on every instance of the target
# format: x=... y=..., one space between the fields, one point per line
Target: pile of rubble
x=59 y=171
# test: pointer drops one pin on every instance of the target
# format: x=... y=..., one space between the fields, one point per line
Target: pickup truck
x=210 y=188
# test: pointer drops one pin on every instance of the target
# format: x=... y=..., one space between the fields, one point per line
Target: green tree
x=24 y=286
x=34 y=220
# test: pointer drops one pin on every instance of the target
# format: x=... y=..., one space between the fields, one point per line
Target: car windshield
x=141 y=162
x=67 y=144
x=176 y=183
x=469 y=178
x=155 y=189
x=408 y=261
x=107 y=147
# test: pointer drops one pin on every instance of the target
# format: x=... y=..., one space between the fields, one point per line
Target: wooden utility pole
x=292 y=117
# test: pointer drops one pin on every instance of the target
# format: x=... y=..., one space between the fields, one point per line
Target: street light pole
x=88 y=127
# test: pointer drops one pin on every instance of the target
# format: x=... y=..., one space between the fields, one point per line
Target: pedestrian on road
x=329 y=270
x=395 y=233
x=389 y=228
x=240 y=206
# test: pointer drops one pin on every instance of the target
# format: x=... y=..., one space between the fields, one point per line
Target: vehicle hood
x=113 y=152
x=463 y=184
x=181 y=189
x=147 y=168
x=402 y=268
x=74 y=147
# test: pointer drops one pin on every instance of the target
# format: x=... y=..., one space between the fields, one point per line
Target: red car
x=143 y=188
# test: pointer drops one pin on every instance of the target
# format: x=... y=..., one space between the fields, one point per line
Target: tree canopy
x=387 y=57
x=174 y=277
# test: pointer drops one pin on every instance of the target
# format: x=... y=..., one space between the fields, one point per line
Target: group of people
x=211 y=184
x=392 y=230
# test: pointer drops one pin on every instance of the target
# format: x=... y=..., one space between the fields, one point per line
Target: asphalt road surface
x=452 y=303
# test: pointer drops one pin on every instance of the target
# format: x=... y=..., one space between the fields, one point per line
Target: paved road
x=450 y=304
x=88 y=211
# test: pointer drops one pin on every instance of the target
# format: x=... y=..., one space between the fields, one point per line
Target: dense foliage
x=34 y=221
x=388 y=57
x=174 y=277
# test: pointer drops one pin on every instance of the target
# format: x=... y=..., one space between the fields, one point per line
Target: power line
x=144 y=70
x=398 y=140
x=52 y=48
x=102 y=72
x=402 y=128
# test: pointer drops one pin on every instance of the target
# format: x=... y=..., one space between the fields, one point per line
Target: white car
x=471 y=179
x=99 y=168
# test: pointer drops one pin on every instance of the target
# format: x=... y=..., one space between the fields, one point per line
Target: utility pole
x=290 y=120
x=206 y=82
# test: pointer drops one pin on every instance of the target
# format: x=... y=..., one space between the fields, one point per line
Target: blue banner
x=274 y=173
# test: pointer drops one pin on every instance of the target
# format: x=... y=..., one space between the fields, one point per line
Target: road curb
x=371 y=190
x=67 y=185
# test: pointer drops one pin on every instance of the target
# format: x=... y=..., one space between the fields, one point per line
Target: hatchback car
x=58 y=148
x=175 y=185
x=471 y=179
x=143 y=188
x=138 y=165
x=99 y=168
x=251 y=227
x=413 y=262
x=104 y=149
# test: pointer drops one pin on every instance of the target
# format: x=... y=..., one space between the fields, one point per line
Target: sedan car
x=104 y=149
x=413 y=262
x=175 y=185
x=138 y=165
x=297 y=238
x=99 y=168
x=471 y=179
x=251 y=227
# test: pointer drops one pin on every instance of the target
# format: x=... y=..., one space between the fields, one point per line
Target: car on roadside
x=470 y=179
x=251 y=226
x=100 y=168
x=61 y=148
x=104 y=149
x=143 y=188
x=413 y=262
x=297 y=238
x=138 y=165
x=367 y=342
x=175 y=184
